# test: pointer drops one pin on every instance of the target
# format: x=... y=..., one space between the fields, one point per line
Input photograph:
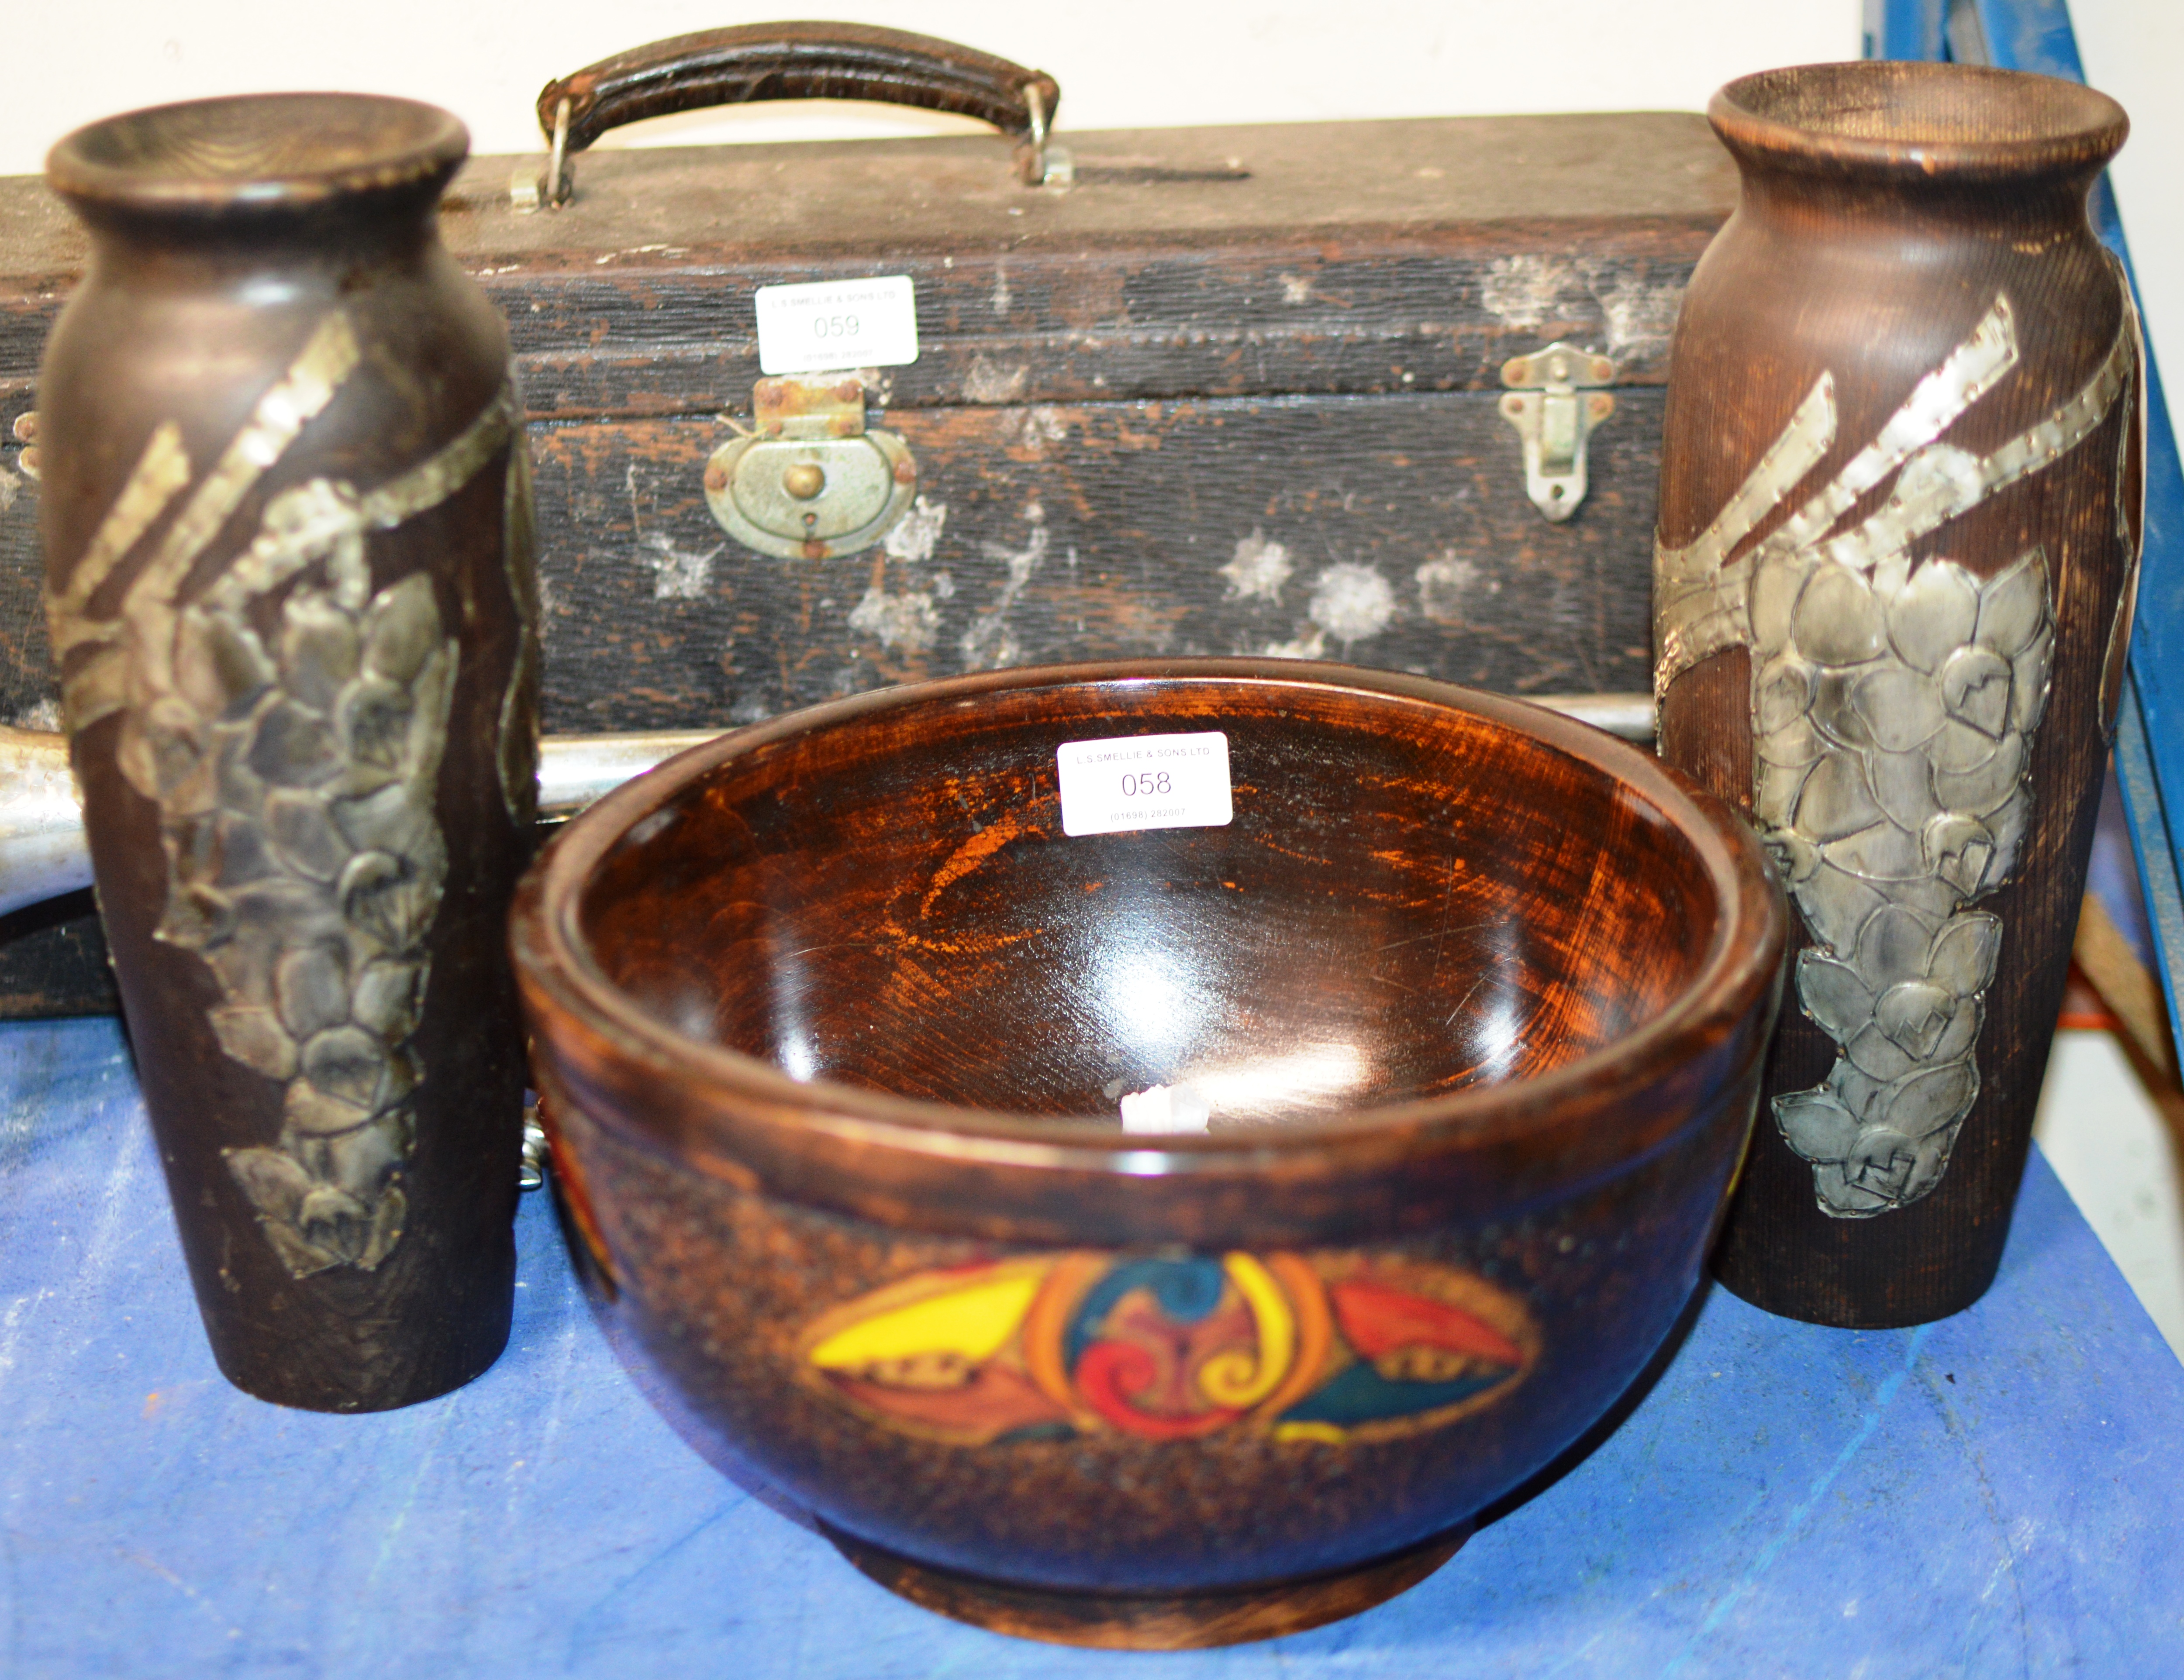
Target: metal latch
x=1554 y=401
x=809 y=481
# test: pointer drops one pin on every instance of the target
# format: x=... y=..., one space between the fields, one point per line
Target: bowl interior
x=1410 y=899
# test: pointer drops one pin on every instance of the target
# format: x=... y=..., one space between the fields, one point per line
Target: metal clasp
x=809 y=481
x=1554 y=401
x=1046 y=164
x=529 y=193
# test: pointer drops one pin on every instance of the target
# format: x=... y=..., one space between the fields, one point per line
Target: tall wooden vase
x=286 y=523
x=1892 y=588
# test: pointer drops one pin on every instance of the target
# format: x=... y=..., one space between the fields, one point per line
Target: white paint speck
x=10 y=488
x=1351 y=602
x=1258 y=568
x=1522 y=290
x=1641 y=318
x=907 y=622
x=917 y=533
x=1296 y=288
x=1303 y=646
x=1033 y=428
x=677 y=575
x=1446 y=584
x=990 y=644
x=44 y=717
x=986 y=383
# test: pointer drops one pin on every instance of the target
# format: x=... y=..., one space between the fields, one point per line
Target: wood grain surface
x=1223 y=345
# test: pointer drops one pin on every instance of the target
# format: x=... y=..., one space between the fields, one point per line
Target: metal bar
x=2156 y=865
x=43 y=852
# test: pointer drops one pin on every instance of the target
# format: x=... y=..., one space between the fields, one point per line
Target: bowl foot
x=1149 y=1622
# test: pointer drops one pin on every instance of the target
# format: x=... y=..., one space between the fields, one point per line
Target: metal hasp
x=1554 y=401
x=809 y=481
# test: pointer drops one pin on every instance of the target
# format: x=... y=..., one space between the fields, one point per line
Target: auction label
x=830 y=326
x=1144 y=782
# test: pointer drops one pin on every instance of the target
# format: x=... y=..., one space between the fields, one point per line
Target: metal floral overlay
x=1892 y=716
x=295 y=773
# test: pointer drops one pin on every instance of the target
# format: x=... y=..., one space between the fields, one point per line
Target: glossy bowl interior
x=837 y=1022
x=1409 y=903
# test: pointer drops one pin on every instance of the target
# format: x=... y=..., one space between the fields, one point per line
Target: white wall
x=1121 y=63
x=2134 y=49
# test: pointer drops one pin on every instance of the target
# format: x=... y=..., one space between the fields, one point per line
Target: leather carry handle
x=755 y=62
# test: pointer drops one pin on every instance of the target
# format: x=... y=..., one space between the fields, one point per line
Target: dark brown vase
x=1897 y=550
x=288 y=578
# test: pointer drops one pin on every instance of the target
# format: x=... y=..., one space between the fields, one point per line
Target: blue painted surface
x=1904 y=28
x=2029 y=35
x=1998 y=1493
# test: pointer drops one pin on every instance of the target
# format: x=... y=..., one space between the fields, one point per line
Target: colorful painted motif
x=1326 y=1348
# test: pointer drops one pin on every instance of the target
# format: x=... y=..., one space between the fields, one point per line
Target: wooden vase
x=288 y=580
x=1893 y=578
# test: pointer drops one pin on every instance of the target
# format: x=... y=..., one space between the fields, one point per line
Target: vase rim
x=257 y=152
x=1914 y=121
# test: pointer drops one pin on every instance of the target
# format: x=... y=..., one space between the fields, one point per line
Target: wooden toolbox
x=1387 y=393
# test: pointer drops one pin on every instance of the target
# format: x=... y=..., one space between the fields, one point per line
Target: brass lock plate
x=810 y=481
x=1554 y=401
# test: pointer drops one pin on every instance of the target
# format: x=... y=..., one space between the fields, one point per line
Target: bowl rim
x=1744 y=956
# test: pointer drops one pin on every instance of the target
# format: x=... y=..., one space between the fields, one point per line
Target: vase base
x=1815 y=1298
x=1149 y=1622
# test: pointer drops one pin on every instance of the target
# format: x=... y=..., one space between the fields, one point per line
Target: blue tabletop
x=1998 y=1493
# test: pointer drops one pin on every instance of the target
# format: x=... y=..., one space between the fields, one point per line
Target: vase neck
x=2045 y=206
x=307 y=179
x=337 y=235
x=1955 y=144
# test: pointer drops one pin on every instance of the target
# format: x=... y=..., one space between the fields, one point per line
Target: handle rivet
x=804 y=480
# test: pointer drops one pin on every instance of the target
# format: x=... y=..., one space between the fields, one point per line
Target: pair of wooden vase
x=293 y=602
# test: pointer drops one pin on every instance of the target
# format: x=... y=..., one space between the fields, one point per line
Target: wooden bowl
x=833 y=1020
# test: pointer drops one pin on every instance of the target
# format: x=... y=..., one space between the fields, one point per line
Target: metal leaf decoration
x=1892 y=712
x=295 y=773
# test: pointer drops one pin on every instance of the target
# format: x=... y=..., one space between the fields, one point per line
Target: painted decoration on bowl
x=1327 y=1348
